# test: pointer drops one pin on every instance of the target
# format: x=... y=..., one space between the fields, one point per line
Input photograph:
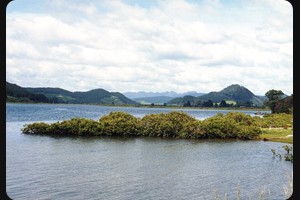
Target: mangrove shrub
x=118 y=124
x=164 y=124
x=74 y=126
x=192 y=129
x=172 y=124
x=36 y=128
x=231 y=125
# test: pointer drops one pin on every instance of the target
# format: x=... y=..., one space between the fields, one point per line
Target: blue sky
x=166 y=45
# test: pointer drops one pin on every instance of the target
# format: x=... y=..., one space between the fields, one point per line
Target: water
x=45 y=167
x=58 y=112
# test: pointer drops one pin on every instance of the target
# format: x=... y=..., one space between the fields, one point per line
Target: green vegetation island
x=233 y=125
x=276 y=126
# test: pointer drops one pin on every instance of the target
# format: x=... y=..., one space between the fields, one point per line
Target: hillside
x=155 y=100
x=158 y=97
x=58 y=95
x=235 y=92
x=95 y=96
x=15 y=93
x=183 y=100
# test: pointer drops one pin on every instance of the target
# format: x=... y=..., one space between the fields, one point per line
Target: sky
x=153 y=46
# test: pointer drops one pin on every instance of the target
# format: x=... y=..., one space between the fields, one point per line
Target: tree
x=223 y=103
x=198 y=103
x=244 y=103
x=284 y=105
x=273 y=97
x=208 y=103
x=187 y=104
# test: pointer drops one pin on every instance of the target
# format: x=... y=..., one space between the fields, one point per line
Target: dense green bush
x=118 y=123
x=74 y=126
x=193 y=129
x=172 y=124
x=88 y=127
x=155 y=125
x=248 y=132
x=231 y=125
x=36 y=128
x=220 y=126
x=241 y=118
x=179 y=119
x=68 y=127
x=164 y=124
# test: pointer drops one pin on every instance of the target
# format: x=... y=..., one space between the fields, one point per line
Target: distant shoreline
x=150 y=106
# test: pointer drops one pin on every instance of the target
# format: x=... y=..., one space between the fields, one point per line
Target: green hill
x=58 y=95
x=15 y=93
x=123 y=98
x=214 y=97
x=182 y=100
x=95 y=96
x=235 y=92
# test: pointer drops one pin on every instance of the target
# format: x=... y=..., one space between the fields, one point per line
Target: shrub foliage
x=173 y=124
x=118 y=124
x=164 y=124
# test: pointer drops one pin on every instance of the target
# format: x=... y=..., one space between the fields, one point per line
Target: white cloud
x=171 y=45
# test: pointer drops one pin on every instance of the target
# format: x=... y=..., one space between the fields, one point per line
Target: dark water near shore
x=44 y=167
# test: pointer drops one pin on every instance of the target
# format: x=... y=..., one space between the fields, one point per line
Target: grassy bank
x=277 y=135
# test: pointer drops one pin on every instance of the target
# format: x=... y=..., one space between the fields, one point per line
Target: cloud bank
x=157 y=46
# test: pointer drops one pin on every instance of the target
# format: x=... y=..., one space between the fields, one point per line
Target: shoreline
x=149 y=106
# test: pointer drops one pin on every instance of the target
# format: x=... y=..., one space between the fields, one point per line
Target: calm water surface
x=45 y=167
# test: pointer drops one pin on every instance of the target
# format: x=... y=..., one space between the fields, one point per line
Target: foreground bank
x=233 y=125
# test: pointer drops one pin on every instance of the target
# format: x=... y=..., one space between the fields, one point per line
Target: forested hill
x=58 y=95
x=234 y=93
x=15 y=93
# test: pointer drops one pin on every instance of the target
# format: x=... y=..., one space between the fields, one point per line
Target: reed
x=264 y=193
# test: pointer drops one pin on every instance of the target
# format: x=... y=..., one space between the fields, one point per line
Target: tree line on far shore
x=276 y=101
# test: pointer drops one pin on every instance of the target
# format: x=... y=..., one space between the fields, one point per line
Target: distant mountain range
x=171 y=94
x=234 y=93
x=16 y=93
x=158 y=97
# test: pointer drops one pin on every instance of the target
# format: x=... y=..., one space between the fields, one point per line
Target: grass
x=277 y=135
